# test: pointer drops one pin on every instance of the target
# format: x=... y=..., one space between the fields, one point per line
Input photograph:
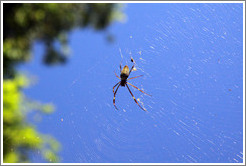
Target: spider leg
x=138 y=88
x=115 y=86
x=120 y=65
x=135 y=99
x=131 y=69
x=134 y=77
x=114 y=95
x=116 y=75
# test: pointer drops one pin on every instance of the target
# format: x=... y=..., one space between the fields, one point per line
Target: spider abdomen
x=125 y=70
x=124 y=73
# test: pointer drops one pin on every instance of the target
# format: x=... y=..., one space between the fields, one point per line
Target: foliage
x=18 y=136
x=24 y=23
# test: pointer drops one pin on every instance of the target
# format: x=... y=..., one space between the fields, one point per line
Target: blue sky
x=191 y=56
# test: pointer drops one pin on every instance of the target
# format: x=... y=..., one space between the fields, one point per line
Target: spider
x=124 y=74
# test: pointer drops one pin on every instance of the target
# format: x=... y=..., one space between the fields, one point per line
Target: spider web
x=195 y=112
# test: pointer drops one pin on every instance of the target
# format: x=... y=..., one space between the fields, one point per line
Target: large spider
x=124 y=74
